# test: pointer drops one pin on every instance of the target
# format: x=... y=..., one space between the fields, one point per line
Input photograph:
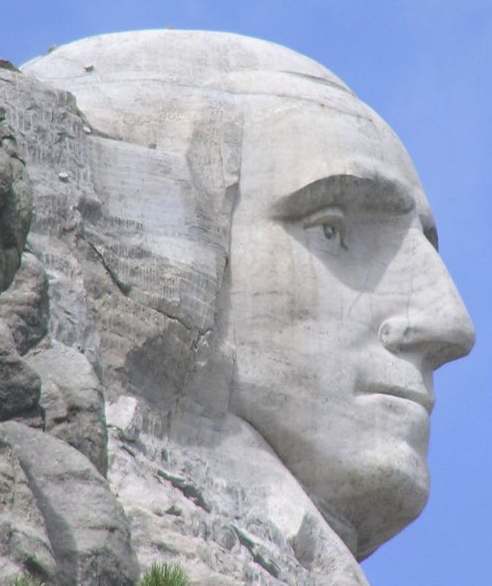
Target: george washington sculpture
x=242 y=251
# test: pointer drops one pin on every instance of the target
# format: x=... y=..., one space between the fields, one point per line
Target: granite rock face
x=15 y=204
x=20 y=385
x=72 y=401
x=61 y=522
x=222 y=235
x=85 y=525
x=24 y=542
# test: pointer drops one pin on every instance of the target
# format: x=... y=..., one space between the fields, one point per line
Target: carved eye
x=329 y=223
x=330 y=231
x=335 y=233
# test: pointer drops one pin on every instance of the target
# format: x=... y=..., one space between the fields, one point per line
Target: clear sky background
x=425 y=66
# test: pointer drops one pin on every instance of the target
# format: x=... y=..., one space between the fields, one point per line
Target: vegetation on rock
x=164 y=575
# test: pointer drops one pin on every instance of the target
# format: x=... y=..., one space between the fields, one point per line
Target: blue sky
x=425 y=66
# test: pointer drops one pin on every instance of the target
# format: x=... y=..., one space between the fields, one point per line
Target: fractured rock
x=86 y=526
x=24 y=542
x=20 y=386
x=15 y=205
x=72 y=400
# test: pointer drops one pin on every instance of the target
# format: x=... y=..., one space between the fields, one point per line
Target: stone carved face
x=339 y=306
x=341 y=309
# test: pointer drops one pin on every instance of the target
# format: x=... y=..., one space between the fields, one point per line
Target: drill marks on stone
x=123 y=287
x=49 y=127
x=60 y=264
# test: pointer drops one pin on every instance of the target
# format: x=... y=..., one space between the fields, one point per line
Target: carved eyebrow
x=376 y=193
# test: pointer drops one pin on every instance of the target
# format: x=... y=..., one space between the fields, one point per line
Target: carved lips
x=420 y=396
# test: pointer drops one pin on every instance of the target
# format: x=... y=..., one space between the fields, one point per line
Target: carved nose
x=435 y=323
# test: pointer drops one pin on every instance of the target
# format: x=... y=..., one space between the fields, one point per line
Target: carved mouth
x=421 y=397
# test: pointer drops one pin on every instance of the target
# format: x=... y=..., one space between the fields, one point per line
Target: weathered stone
x=15 y=204
x=25 y=305
x=86 y=527
x=72 y=400
x=187 y=487
x=19 y=384
x=24 y=543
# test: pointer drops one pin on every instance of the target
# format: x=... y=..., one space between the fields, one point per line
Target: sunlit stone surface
x=233 y=303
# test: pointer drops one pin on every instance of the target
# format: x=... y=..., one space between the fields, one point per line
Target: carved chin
x=395 y=496
x=376 y=499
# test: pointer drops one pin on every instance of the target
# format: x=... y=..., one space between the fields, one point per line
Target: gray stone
x=15 y=204
x=20 y=385
x=24 y=307
x=72 y=530
x=24 y=542
x=86 y=527
x=72 y=400
x=237 y=264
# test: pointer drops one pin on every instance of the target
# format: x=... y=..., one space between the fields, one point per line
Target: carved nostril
x=397 y=335
x=394 y=334
x=384 y=334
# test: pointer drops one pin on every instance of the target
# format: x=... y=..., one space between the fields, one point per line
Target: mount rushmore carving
x=218 y=331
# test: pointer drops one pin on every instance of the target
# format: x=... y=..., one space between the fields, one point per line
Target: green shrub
x=26 y=580
x=164 y=575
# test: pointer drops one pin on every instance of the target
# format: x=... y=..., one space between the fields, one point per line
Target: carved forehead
x=299 y=122
x=290 y=143
x=145 y=85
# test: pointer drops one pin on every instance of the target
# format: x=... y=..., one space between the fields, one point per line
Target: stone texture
x=230 y=303
x=24 y=542
x=71 y=515
x=72 y=400
x=19 y=384
x=24 y=307
x=15 y=204
x=202 y=506
x=86 y=526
